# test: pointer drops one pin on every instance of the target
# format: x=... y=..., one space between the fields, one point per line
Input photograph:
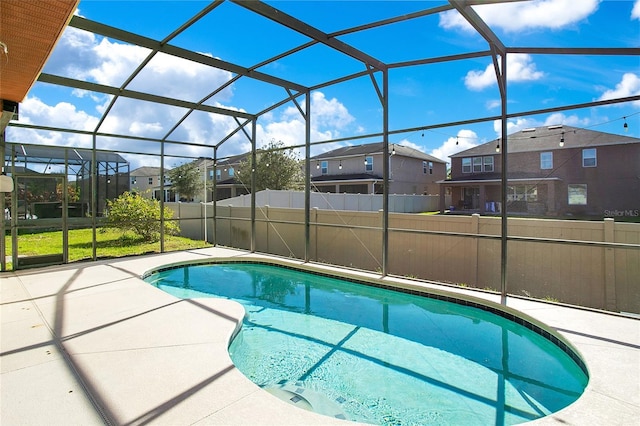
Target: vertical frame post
x=503 y=182
x=94 y=198
x=214 y=196
x=307 y=178
x=162 y=196
x=253 y=185
x=385 y=172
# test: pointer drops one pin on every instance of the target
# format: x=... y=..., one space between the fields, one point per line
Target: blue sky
x=419 y=96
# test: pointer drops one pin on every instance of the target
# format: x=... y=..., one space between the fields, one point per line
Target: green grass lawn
x=110 y=243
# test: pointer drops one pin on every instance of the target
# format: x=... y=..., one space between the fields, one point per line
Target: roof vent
x=531 y=129
x=557 y=126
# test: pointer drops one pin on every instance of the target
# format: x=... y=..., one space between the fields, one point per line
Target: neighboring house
x=227 y=184
x=146 y=181
x=224 y=173
x=359 y=170
x=553 y=171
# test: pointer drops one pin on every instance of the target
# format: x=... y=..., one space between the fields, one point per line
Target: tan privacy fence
x=568 y=261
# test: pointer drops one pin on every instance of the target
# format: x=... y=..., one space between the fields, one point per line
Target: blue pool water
x=379 y=356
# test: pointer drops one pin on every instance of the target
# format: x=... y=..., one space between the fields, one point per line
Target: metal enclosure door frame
x=53 y=216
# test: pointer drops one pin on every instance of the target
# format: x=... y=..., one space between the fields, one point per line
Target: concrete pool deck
x=91 y=343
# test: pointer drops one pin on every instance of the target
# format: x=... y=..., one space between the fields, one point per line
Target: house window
x=589 y=157
x=577 y=194
x=527 y=193
x=477 y=164
x=218 y=174
x=231 y=172
x=210 y=174
x=430 y=167
x=546 y=160
x=488 y=164
x=150 y=181
x=466 y=165
x=324 y=166
x=368 y=164
x=133 y=181
x=424 y=167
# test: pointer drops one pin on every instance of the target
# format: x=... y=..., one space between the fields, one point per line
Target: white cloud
x=493 y=103
x=520 y=67
x=63 y=115
x=465 y=139
x=408 y=143
x=571 y=120
x=635 y=13
x=553 y=119
x=324 y=112
x=628 y=86
x=328 y=118
x=515 y=126
x=478 y=80
x=521 y=16
x=82 y=55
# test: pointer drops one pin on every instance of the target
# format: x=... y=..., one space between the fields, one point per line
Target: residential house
x=553 y=171
x=359 y=169
x=227 y=183
x=146 y=182
x=224 y=173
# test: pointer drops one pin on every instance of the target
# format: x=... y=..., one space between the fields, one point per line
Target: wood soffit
x=30 y=31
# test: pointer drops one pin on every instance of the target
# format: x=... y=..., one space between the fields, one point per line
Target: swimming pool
x=373 y=355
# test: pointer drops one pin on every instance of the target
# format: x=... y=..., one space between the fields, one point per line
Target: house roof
x=221 y=162
x=234 y=159
x=376 y=148
x=146 y=171
x=548 y=138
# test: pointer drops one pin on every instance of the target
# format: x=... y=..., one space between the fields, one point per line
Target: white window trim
x=470 y=165
x=368 y=165
x=484 y=164
x=595 y=157
x=550 y=153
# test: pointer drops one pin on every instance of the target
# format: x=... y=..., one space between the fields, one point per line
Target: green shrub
x=131 y=212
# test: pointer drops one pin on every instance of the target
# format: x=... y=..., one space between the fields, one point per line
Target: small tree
x=131 y=212
x=276 y=167
x=186 y=180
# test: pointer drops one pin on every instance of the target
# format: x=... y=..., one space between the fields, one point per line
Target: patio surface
x=91 y=343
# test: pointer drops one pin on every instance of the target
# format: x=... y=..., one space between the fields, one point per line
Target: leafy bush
x=132 y=212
